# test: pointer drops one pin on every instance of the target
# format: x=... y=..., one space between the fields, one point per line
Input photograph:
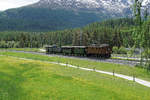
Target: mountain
x=47 y=15
x=45 y=19
x=113 y=7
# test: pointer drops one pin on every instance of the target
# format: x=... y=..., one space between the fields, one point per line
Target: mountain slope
x=48 y=15
x=44 y=19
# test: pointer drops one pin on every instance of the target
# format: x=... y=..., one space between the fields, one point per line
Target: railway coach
x=102 y=51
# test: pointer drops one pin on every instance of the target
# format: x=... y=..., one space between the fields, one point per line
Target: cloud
x=7 y=4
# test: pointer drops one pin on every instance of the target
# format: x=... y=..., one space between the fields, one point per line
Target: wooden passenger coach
x=97 y=51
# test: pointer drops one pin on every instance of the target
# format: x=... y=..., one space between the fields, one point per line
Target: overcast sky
x=7 y=4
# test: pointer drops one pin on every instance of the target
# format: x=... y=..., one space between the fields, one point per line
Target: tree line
x=111 y=32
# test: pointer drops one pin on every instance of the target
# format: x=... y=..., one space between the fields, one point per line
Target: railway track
x=131 y=63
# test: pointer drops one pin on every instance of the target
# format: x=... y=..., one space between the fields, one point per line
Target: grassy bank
x=36 y=80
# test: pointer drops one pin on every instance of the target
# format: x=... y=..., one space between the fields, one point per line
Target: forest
x=114 y=32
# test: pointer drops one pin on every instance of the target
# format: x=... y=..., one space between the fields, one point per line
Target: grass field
x=24 y=49
x=37 y=80
x=121 y=69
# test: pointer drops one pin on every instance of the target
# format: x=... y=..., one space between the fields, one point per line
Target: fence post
x=78 y=66
x=133 y=78
x=94 y=68
x=113 y=72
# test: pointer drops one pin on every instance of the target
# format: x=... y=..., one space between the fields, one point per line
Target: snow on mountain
x=112 y=6
x=86 y=3
x=146 y=2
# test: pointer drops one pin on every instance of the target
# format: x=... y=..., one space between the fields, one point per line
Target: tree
x=146 y=14
x=142 y=35
x=137 y=12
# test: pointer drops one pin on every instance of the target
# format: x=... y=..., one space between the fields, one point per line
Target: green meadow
x=23 y=49
x=110 y=67
x=38 y=80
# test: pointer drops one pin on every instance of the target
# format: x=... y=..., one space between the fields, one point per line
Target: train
x=101 y=51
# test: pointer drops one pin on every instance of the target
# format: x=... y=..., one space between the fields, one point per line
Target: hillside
x=44 y=19
x=48 y=15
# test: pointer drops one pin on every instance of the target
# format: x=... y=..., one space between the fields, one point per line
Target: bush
x=8 y=44
x=121 y=50
x=146 y=53
x=115 y=50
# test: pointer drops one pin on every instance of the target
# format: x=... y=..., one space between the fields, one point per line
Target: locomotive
x=101 y=51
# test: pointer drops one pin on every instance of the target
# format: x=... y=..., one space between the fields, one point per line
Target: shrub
x=8 y=44
x=146 y=53
x=121 y=50
x=115 y=50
